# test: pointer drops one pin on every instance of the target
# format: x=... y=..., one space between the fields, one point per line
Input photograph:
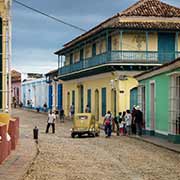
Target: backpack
x=108 y=121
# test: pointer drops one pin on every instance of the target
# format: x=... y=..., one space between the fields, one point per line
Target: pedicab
x=85 y=123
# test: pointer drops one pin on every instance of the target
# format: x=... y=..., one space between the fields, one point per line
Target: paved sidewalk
x=159 y=142
x=16 y=165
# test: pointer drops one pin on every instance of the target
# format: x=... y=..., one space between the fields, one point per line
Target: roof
x=151 y=8
x=52 y=72
x=148 y=25
x=157 y=70
x=15 y=76
x=143 y=9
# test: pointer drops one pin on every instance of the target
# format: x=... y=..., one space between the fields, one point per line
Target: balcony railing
x=120 y=57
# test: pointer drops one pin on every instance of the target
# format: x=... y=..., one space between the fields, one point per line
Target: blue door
x=166 y=47
x=103 y=92
x=50 y=97
x=59 y=96
x=133 y=97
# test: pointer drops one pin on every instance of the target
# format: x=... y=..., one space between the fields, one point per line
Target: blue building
x=34 y=93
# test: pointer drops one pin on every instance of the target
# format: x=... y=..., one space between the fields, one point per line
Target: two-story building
x=97 y=67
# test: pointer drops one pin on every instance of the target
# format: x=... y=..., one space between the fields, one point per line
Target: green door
x=103 y=92
x=166 y=47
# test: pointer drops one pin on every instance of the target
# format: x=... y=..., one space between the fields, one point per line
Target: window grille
x=174 y=110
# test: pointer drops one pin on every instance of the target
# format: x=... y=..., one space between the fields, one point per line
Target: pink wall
x=16 y=91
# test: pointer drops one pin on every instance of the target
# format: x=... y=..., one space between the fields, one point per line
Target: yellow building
x=99 y=65
x=4 y=52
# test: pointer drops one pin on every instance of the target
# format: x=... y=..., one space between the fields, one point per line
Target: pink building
x=16 y=86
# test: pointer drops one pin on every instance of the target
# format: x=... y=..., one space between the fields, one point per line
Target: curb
x=155 y=144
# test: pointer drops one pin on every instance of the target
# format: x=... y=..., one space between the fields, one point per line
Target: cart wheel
x=72 y=135
x=93 y=134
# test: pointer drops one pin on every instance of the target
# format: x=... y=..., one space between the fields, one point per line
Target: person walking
x=128 y=120
x=138 y=120
x=61 y=115
x=72 y=110
x=108 y=123
x=51 y=122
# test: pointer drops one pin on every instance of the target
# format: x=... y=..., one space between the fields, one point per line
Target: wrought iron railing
x=145 y=57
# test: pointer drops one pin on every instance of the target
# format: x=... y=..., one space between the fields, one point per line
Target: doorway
x=96 y=104
x=152 y=100
x=68 y=102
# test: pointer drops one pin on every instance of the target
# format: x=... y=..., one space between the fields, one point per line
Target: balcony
x=135 y=57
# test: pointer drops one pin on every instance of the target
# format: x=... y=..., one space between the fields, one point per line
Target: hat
x=137 y=107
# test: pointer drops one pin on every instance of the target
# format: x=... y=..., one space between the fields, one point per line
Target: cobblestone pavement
x=115 y=158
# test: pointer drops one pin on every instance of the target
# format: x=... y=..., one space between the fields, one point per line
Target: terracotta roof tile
x=151 y=8
x=148 y=25
x=143 y=8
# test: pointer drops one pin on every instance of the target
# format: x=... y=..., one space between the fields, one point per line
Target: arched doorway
x=96 y=106
x=68 y=102
x=113 y=102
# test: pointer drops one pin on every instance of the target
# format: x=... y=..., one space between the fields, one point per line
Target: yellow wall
x=67 y=60
x=99 y=82
x=116 y=42
x=3 y=14
x=153 y=42
x=101 y=46
x=76 y=56
x=179 y=42
x=88 y=51
x=134 y=41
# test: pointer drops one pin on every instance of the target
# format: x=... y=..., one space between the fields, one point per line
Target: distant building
x=159 y=99
x=34 y=93
x=55 y=92
x=100 y=64
x=16 y=86
x=30 y=76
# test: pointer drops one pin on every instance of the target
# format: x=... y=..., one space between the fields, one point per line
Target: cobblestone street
x=62 y=157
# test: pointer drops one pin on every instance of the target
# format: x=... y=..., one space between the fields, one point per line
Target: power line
x=49 y=16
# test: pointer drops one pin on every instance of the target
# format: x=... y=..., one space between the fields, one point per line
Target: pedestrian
x=118 y=120
x=128 y=120
x=87 y=109
x=51 y=122
x=45 y=107
x=108 y=123
x=72 y=110
x=133 y=125
x=123 y=123
x=61 y=115
x=138 y=120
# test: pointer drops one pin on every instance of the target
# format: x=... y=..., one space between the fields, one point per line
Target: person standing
x=72 y=110
x=51 y=122
x=108 y=124
x=118 y=120
x=87 y=109
x=61 y=115
x=138 y=120
x=128 y=120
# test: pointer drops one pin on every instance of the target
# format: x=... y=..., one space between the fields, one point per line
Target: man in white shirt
x=51 y=122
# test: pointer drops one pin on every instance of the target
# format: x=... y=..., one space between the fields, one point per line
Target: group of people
x=126 y=122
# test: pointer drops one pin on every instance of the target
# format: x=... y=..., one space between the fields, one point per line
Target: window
x=89 y=99
x=174 y=126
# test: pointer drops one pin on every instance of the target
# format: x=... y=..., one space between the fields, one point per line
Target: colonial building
x=159 y=98
x=100 y=64
x=34 y=93
x=16 y=86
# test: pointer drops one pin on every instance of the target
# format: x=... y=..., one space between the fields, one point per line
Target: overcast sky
x=36 y=38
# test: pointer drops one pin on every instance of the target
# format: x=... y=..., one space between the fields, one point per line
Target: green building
x=159 y=99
